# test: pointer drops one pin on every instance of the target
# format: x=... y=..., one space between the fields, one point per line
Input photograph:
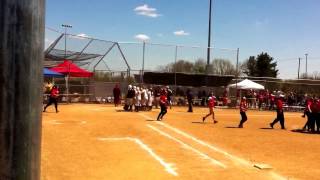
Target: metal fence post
x=175 y=68
x=143 y=56
x=237 y=75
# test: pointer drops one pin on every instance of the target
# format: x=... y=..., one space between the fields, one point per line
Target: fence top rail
x=176 y=45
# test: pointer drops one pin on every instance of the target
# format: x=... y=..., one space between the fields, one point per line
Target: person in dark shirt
x=129 y=98
x=314 y=114
x=280 y=116
x=116 y=95
x=157 y=95
x=190 y=100
x=318 y=116
x=308 y=112
x=169 y=96
x=243 y=109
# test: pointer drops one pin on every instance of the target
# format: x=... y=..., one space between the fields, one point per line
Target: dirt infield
x=90 y=141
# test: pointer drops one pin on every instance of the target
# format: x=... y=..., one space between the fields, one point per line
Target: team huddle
x=312 y=111
x=142 y=99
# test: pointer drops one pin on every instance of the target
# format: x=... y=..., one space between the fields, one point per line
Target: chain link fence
x=126 y=62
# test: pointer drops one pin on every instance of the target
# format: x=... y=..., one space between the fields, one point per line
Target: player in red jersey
x=163 y=104
x=308 y=112
x=54 y=94
x=318 y=116
x=243 y=109
x=211 y=109
x=280 y=116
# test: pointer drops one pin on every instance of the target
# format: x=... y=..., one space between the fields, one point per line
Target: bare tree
x=218 y=66
x=223 y=67
x=314 y=76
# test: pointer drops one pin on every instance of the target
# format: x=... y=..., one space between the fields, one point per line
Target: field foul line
x=168 y=166
x=186 y=146
x=235 y=114
x=60 y=122
x=232 y=157
x=98 y=109
x=239 y=160
x=145 y=116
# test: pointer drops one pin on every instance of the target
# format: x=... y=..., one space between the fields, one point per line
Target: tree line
x=263 y=65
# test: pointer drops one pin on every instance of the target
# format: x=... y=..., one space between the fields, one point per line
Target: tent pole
x=67 y=88
x=237 y=72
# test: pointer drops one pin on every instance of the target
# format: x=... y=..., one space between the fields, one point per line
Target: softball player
x=243 y=109
x=211 y=109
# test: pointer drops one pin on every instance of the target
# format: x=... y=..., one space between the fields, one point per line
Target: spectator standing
x=129 y=98
x=169 y=96
x=116 y=95
x=190 y=100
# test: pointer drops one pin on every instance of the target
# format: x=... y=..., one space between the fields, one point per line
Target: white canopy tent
x=247 y=84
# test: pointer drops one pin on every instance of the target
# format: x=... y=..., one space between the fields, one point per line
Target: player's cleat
x=271 y=125
x=215 y=122
x=240 y=126
x=203 y=118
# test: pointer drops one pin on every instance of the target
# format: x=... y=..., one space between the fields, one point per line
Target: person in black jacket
x=129 y=98
x=190 y=100
x=169 y=96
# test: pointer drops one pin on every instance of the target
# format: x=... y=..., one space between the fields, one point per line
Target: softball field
x=97 y=142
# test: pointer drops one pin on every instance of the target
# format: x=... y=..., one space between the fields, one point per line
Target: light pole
x=209 y=38
x=65 y=38
x=299 y=69
x=143 y=56
x=306 y=64
x=65 y=57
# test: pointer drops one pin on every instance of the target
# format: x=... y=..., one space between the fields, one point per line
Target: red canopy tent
x=70 y=69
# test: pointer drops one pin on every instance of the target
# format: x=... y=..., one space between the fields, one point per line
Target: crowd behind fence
x=295 y=94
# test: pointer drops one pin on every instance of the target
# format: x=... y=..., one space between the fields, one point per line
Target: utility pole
x=65 y=57
x=143 y=56
x=65 y=38
x=299 y=69
x=209 y=39
x=306 y=64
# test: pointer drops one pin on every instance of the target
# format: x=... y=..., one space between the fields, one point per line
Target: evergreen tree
x=265 y=66
x=261 y=66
